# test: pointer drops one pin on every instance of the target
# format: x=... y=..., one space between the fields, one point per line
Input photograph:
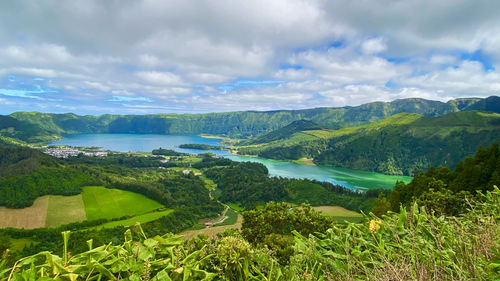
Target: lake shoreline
x=302 y=168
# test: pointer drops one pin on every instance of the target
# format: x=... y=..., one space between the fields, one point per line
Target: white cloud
x=160 y=78
x=468 y=79
x=342 y=66
x=293 y=74
x=98 y=86
x=179 y=53
x=373 y=46
x=443 y=60
x=149 y=60
x=208 y=78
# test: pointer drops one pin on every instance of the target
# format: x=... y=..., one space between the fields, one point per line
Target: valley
x=301 y=179
x=298 y=140
x=353 y=179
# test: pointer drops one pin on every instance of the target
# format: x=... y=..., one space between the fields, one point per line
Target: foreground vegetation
x=412 y=245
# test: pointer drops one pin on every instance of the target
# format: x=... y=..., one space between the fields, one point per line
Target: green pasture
x=340 y=214
x=64 y=209
x=104 y=203
x=209 y=184
x=236 y=207
x=232 y=217
x=137 y=219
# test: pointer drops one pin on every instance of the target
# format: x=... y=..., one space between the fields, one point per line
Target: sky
x=197 y=56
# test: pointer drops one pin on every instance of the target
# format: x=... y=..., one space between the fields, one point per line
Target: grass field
x=232 y=217
x=27 y=218
x=19 y=243
x=209 y=184
x=211 y=231
x=336 y=211
x=305 y=161
x=95 y=202
x=64 y=209
x=104 y=203
x=339 y=213
x=141 y=219
x=236 y=207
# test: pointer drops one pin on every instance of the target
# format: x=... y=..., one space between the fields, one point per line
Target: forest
x=400 y=144
x=447 y=191
x=35 y=127
x=185 y=193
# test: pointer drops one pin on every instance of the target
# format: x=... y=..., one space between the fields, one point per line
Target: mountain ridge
x=239 y=124
x=399 y=144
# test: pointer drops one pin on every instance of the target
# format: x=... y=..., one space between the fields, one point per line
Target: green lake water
x=353 y=179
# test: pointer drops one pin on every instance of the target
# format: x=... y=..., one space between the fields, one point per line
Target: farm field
x=95 y=202
x=64 y=209
x=211 y=231
x=104 y=203
x=232 y=218
x=339 y=213
x=27 y=218
x=140 y=218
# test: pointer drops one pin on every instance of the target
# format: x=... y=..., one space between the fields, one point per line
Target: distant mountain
x=44 y=127
x=396 y=145
x=462 y=103
x=12 y=128
x=488 y=104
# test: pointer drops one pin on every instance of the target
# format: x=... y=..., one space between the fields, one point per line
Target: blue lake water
x=353 y=179
x=139 y=142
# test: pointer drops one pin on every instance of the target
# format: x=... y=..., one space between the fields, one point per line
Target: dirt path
x=211 y=231
x=218 y=220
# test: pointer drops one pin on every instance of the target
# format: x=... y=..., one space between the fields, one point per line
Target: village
x=64 y=152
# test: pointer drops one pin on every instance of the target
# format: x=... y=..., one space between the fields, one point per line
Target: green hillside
x=286 y=132
x=397 y=145
x=488 y=104
x=446 y=190
x=43 y=127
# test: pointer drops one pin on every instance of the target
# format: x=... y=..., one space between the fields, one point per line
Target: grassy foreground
x=411 y=245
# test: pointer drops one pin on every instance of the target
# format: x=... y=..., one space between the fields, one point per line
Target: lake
x=353 y=179
x=140 y=142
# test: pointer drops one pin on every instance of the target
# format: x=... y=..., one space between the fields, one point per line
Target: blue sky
x=138 y=57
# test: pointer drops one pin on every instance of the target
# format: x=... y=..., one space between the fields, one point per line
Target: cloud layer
x=91 y=56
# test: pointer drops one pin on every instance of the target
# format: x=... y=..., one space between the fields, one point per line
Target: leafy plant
x=157 y=258
x=411 y=245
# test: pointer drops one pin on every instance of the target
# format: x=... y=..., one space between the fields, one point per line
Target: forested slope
x=397 y=145
x=42 y=127
x=447 y=190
